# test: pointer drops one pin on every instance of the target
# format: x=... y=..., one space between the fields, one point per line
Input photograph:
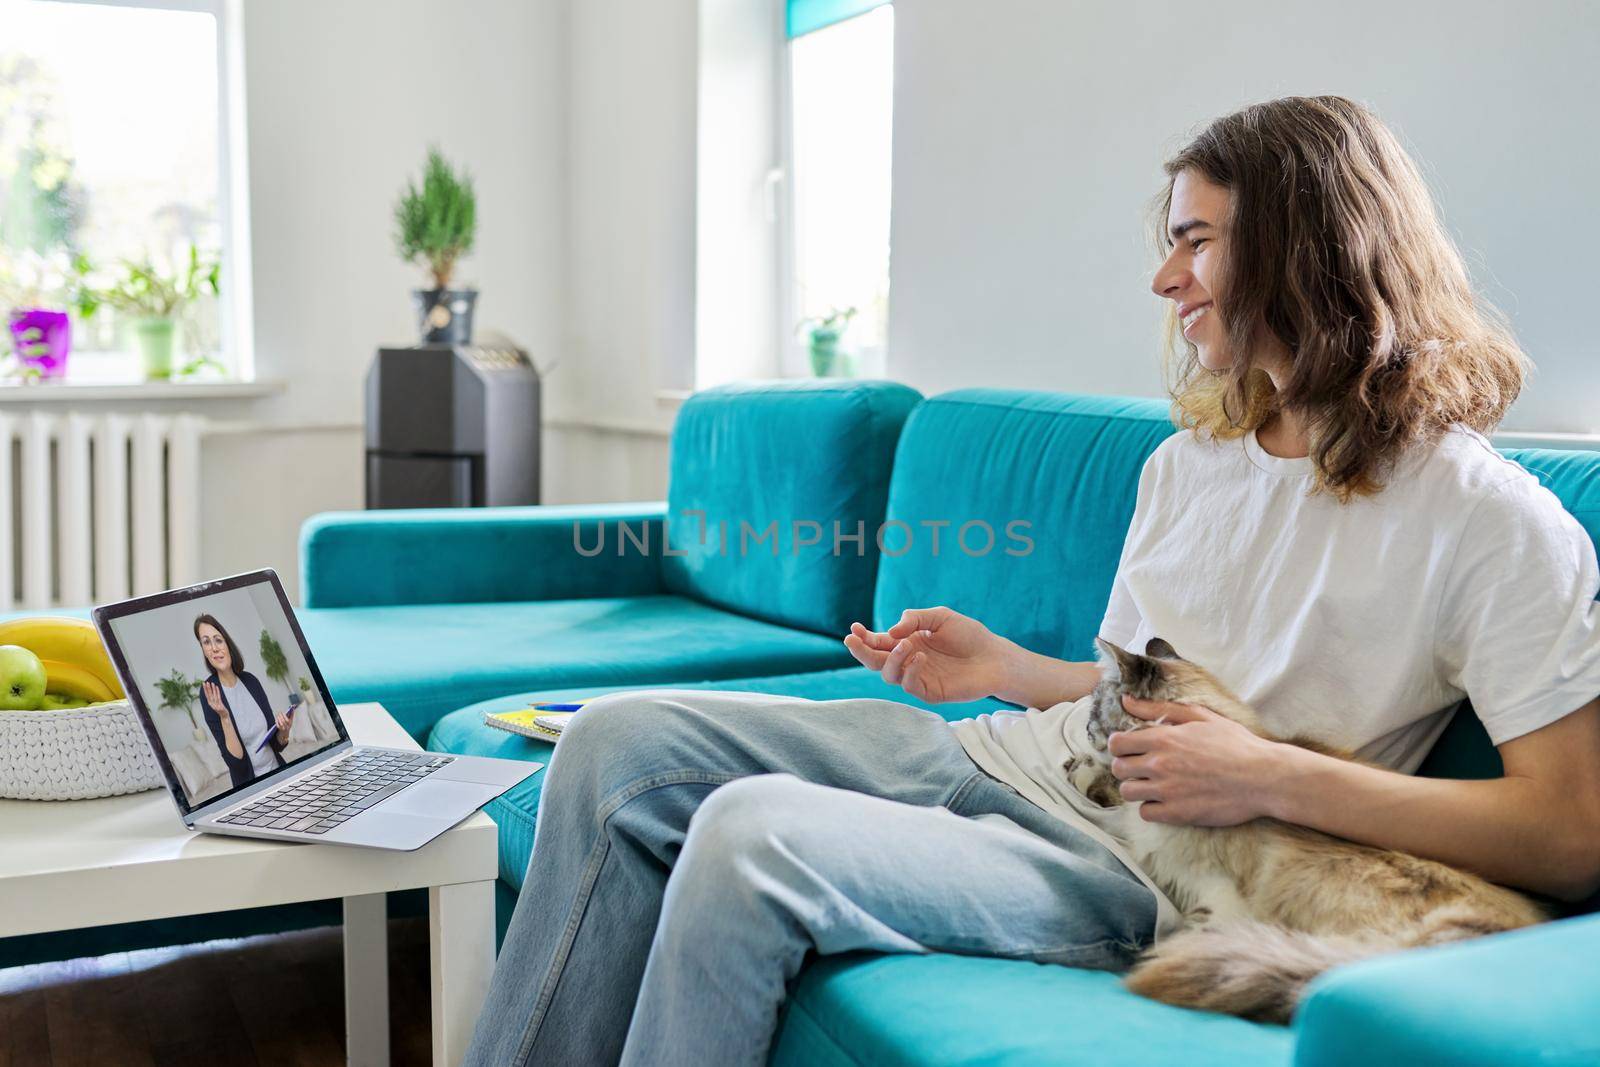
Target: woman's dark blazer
x=240 y=770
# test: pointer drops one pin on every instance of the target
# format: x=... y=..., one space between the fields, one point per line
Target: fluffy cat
x=1269 y=905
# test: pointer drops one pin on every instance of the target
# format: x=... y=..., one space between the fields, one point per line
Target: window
x=113 y=147
x=841 y=98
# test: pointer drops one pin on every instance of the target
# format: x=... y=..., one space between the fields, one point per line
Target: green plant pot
x=154 y=338
x=824 y=357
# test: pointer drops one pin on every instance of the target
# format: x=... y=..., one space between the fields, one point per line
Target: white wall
x=630 y=210
x=737 y=301
x=630 y=254
x=289 y=476
x=342 y=102
x=1029 y=136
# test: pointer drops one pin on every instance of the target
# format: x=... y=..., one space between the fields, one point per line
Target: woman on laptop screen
x=236 y=708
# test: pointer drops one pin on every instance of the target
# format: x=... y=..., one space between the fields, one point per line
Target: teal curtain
x=805 y=16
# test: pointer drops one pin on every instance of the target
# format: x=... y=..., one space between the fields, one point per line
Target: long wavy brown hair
x=1335 y=247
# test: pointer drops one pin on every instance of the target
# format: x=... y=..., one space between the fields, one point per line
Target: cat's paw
x=1082 y=772
x=1094 y=780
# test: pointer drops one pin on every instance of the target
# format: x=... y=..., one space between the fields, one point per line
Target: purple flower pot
x=42 y=339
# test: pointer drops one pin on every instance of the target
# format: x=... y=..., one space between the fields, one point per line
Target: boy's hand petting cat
x=935 y=654
x=1196 y=768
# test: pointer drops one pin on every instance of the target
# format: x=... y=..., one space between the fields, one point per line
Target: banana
x=70 y=680
x=74 y=642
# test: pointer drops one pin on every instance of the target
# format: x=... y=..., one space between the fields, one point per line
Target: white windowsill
x=67 y=393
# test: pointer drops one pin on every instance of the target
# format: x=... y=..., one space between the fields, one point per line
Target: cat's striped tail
x=1260 y=971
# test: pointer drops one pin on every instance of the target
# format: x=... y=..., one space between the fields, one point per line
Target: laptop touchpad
x=436 y=799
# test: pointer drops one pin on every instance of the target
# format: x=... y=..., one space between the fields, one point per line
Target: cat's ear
x=1159 y=648
x=1115 y=656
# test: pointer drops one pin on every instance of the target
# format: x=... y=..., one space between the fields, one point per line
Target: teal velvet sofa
x=1068 y=467
x=444 y=615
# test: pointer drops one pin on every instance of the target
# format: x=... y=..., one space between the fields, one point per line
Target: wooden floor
x=253 y=1002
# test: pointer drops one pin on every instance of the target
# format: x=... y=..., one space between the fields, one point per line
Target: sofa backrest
x=790 y=453
x=1069 y=467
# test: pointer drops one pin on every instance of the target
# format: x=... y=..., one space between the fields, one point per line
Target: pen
x=274 y=731
x=556 y=707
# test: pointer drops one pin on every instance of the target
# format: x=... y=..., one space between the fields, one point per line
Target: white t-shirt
x=1360 y=625
x=252 y=726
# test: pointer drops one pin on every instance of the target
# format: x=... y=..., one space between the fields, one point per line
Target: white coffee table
x=66 y=865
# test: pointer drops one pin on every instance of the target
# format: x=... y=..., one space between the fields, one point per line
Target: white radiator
x=97 y=507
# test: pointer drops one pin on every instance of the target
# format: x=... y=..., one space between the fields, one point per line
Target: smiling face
x=215 y=647
x=1195 y=229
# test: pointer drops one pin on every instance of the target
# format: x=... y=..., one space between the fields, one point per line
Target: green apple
x=22 y=679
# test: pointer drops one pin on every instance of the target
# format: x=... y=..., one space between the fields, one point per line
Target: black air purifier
x=452 y=426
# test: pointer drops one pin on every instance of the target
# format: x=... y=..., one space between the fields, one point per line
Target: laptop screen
x=223 y=681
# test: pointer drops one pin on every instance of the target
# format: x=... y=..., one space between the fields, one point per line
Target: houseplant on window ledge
x=822 y=338
x=35 y=290
x=436 y=224
x=153 y=301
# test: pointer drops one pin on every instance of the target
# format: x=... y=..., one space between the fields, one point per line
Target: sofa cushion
x=788 y=452
x=919 y=1010
x=422 y=660
x=1066 y=466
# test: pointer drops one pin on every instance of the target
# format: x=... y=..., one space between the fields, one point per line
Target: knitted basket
x=75 y=753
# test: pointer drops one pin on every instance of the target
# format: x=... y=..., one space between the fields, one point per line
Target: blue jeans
x=693 y=848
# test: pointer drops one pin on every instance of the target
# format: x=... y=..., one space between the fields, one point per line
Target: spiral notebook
x=536 y=723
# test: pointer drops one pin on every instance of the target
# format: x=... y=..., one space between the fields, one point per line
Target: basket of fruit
x=66 y=730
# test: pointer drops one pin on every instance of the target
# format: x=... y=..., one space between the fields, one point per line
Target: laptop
x=249 y=738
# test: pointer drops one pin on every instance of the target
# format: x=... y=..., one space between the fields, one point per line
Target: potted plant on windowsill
x=822 y=338
x=35 y=290
x=436 y=225
x=153 y=300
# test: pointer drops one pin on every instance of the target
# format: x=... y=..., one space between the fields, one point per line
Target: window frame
x=793 y=356
x=790 y=352
x=234 y=316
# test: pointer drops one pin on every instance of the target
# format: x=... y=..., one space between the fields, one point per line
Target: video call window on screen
x=227 y=686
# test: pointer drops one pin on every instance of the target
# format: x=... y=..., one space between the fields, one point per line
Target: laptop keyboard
x=319 y=802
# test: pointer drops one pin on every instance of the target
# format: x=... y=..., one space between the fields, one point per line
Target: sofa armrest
x=1529 y=996
x=473 y=555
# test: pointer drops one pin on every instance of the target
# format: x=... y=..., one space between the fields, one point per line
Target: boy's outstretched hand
x=936 y=655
